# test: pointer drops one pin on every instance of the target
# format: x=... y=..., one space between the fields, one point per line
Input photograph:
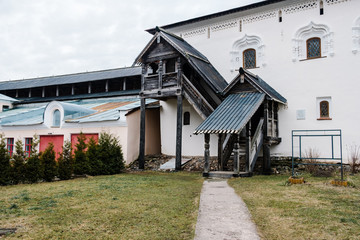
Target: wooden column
x=89 y=87
x=30 y=93
x=266 y=146
x=17 y=93
x=207 y=155
x=106 y=85
x=72 y=89
x=248 y=146
x=160 y=74
x=43 y=92
x=142 y=135
x=220 y=151
x=124 y=85
x=178 y=132
x=237 y=155
x=57 y=90
x=179 y=71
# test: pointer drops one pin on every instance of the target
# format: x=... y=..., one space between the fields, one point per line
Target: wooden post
x=160 y=74
x=142 y=135
x=143 y=72
x=248 y=146
x=179 y=72
x=207 y=155
x=220 y=152
x=30 y=93
x=72 y=89
x=57 y=90
x=43 y=92
x=89 y=87
x=236 y=155
x=178 y=132
x=266 y=147
x=124 y=85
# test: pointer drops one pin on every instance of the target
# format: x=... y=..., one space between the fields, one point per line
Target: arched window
x=321 y=7
x=249 y=58
x=313 y=47
x=186 y=118
x=280 y=16
x=324 y=109
x=56 y=118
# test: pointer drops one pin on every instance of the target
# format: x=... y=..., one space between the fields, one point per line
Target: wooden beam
x=248 y=146
x=266 y=146
x=160 y=74
x=207 y=155
x=142 y=135
x=178 y=132
x=220 y=152
x=237 y=155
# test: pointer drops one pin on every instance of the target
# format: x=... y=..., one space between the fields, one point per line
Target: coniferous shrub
x=32 y=164
x=81 y=165
x=110 y=154
x=48 y=163
x=18 y=163
x=66 y=162
x=95 y=165
x=5 y=169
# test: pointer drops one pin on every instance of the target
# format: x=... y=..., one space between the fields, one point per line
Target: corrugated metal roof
x=6 y=98
x=232 y=114
x=70 y=78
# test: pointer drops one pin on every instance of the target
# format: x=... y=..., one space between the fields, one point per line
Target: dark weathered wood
x=237 y=155
x=220 y=151
x=228 y=150
x=143 y=72
x=248 y=146
x=266 y=146
x=207 y=153
x=160 y=79
x=142 y=135
x=178 y=132
x=179 y=72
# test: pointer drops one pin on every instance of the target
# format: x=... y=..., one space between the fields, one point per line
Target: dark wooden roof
x=214 y=15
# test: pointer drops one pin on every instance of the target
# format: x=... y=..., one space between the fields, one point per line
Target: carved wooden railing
x=154 y=82
x=195 y=96
x=256 y=144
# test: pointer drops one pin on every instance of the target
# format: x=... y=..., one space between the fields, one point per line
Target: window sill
x=306 y=59
x=324 y=118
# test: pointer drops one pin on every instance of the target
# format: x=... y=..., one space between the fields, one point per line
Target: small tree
x=354 y=158
x=5 y=169
x=33 y=166
x=110 y=154
x=48 y=163
x=95 y=165
x=66 y=162
x=81 y=164
x=18 y=163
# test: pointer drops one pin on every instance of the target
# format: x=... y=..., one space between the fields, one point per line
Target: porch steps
x=226 y=174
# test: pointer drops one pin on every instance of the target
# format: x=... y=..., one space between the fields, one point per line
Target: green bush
x=95 y=165
x=48 y=163
x=110 y=154
x=66 y=162
x=5 y=169
x=32 y=166
x=81 y=164
x=18 y=163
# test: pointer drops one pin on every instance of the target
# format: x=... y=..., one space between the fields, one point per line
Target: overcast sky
x=44 y=38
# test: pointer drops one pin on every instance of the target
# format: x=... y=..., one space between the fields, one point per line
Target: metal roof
x=232 y=114
x=70 y=78
x=6 y=98
x=214 y=15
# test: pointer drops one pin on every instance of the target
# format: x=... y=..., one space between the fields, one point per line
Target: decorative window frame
x=313 y=30
x=49 y=114
x=244 y=43
x=318 y=101
x=356 y=36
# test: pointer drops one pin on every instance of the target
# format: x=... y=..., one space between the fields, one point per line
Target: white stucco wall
x=192 y=145
x=300 y=82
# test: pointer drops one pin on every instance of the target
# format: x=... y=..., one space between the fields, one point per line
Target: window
x=170 y=65
x=324 y=108
x=10 y=146
x=28 y=145
x=249 y=58
x=321 y=8
x=186 y=118
x=313 y=46
x=56 y=118
x=280 y=16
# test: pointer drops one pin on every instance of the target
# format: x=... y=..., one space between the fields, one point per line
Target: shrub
x=95 y=165
x=310 y=154
x=110 y=154
x=81 y=164
x=18 y=163
x=48 y=163
x=354 y=158
x=5 y=169
x=32 y=165
x=66 y=162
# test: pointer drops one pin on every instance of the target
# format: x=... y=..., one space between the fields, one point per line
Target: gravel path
x=223 y=214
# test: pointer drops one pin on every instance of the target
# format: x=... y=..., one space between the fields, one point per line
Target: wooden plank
x=266 y=147
x=207 y=153
x=236 y=155
x=178 y=132
x=220 y=151
x=248 y=146
x=142 y=135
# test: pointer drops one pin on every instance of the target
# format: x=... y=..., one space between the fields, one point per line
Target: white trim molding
x=312 y=30
x=356 y=36
x=246 y=42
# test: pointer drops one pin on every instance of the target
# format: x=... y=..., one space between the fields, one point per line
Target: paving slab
x=223 y=214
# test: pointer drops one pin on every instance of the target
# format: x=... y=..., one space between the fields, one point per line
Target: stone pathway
x=223 y=214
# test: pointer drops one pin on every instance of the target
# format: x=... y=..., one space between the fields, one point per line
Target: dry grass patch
x=316 y=210
x=126 y=206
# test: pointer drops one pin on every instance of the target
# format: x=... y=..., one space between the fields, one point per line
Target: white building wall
x=300 y=82
x=192 y=145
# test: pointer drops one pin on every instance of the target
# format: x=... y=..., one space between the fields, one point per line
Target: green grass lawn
x=126 y=206
x=315 y=210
